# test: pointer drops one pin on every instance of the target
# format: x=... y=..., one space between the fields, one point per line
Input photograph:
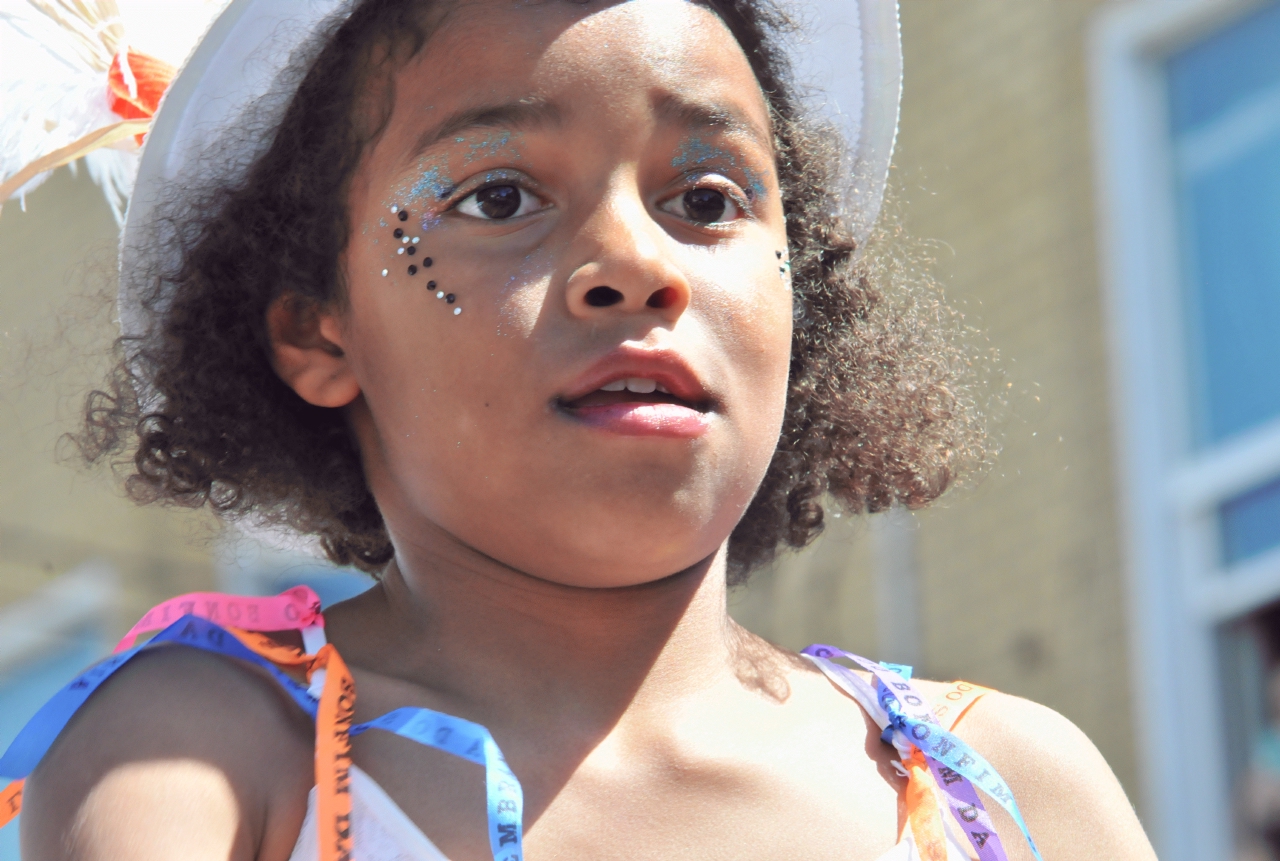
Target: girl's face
x=570 y=304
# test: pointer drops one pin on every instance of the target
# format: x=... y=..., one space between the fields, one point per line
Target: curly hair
x=880 y=407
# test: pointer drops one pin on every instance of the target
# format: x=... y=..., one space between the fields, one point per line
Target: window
x=1186 y=101
x=1224 y=126
x=1224 y=117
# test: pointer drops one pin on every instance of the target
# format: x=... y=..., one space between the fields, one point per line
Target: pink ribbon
x=291 y=610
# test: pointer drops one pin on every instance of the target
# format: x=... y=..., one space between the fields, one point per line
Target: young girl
x=546 y=314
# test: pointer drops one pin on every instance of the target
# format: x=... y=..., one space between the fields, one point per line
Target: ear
x=307 y=352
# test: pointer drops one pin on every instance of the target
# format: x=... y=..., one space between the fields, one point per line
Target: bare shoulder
x=179 y=754
x=1073 y=804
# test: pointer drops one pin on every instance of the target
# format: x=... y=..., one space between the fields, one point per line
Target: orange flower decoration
x=151 y=76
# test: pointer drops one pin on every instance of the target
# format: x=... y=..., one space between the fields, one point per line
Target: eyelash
x=496 y=179
x=726 y=186
x=692 y=181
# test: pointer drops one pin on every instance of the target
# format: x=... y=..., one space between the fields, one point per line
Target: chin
x=625 y=549
x=622 y=571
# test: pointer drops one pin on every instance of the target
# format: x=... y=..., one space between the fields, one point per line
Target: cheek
x=765 y=349
x=441 y=340
x=750 y=306
x=397 y=250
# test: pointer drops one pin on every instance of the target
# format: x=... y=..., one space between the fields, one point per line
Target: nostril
x=664 y=298
x=602 y=297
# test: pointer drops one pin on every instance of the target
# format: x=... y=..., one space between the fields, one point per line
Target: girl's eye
x=499 y=202
x=703 y=206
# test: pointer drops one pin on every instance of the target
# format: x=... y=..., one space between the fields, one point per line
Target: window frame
x=1178 y=591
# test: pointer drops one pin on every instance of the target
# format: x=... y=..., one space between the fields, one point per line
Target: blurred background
x=1100 y=187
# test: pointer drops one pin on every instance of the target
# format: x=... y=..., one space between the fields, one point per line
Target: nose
x=627 y=268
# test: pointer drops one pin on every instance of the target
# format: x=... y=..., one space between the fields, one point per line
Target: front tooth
x=663 y=389
x=639 y=386
x=615 y=386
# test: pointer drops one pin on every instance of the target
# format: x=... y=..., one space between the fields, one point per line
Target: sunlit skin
x=559 y=569
x=455 y=413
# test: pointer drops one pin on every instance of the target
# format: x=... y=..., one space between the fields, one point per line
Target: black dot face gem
x=450 y=298
x=413 y=270
x=398 y=233
x=411 y=250
x=431 y=285
x=403 y=215
x=779 y=253
x=427 y=261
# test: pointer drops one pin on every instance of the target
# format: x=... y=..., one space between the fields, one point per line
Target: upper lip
x=664 y=366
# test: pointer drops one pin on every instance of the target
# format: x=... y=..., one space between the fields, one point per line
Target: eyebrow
x=532 y=113
x=722 y=118
x=525 y=115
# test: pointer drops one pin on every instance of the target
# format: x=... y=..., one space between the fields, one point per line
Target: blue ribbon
x=472 y=742
x=35 y=739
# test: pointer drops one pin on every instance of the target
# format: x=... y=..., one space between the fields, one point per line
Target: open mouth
x=630 y=390
x=639 y=406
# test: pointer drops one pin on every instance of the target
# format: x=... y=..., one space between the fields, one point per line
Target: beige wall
x=1021 y=578
x=56 y=269
x=1027 y=572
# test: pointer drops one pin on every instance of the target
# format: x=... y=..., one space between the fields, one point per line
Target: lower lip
x=666 y=420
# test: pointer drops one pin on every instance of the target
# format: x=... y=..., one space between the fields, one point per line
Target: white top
x=381 y=831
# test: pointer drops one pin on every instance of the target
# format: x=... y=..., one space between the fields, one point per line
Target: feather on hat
x=72 y=87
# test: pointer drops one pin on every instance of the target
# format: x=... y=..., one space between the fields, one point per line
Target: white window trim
x=1177 y=592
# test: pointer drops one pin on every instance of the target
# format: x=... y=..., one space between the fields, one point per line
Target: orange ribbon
x=924 y=811
x=955 y=701
x=334 y=717
x=10 y=802
x=275 y=652
x=333 y=755
x=151 y=78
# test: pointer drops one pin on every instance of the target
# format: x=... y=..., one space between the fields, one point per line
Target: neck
x=495 y=641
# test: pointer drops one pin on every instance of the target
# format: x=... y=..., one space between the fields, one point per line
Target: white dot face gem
x=384 y=273
x=416 y=240
x=399 y=251
x=457 y=311
x=440 y=294
x=394 y=210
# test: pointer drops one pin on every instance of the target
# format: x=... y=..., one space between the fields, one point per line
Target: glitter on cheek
x=430 y=221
